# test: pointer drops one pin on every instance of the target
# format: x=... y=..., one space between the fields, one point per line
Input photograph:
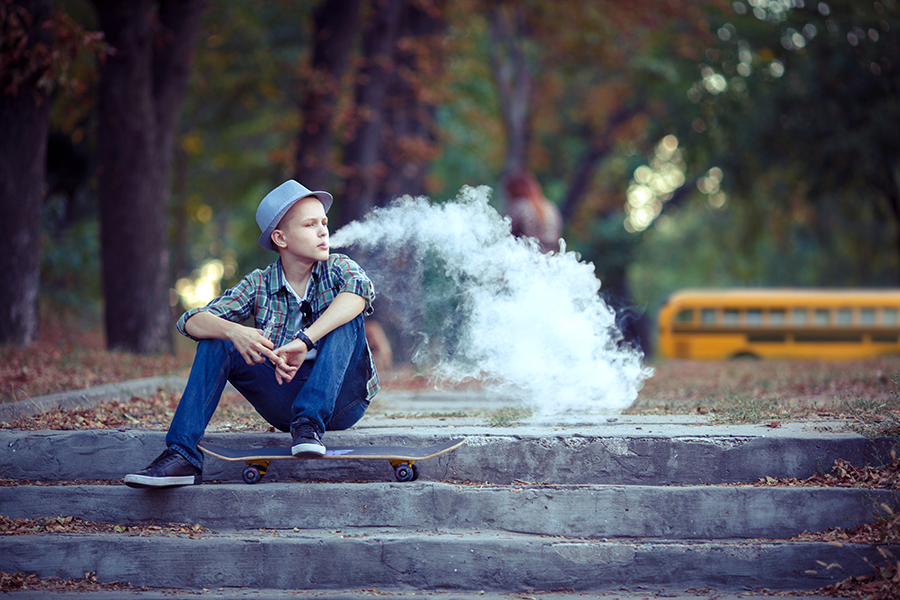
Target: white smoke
x=493 y=308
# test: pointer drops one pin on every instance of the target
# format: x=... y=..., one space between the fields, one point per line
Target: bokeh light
x=710 y=184
x=204 y=284
x=653 y=185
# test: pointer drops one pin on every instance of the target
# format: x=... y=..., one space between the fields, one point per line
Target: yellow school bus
x=780 y=323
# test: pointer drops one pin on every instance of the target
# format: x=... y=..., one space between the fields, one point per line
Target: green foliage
x=468 y=120
x=70 y=268
x=798 y=107
x=239 y=123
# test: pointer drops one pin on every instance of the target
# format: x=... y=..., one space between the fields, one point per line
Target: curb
x=88 y=398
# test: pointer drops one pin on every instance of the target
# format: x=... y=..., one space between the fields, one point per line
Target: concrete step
x=620 y=453
x=434 y=560
x=598 y=506
x=581 y=511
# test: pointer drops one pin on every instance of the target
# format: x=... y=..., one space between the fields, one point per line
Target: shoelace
x=169 y=456
x=308 y=431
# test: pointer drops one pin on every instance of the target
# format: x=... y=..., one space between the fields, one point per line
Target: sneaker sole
x=143 y=481
x=307 y=451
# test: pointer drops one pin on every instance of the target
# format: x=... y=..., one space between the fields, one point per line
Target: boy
x=305 y=366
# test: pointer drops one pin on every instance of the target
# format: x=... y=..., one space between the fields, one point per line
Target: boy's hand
x=288 y=359
x=252 y=345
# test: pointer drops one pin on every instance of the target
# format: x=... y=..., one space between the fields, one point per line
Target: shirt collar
x=277 y=283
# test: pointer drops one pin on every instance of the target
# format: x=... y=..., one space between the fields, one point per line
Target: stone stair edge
x=586 y=511
x=500 y=457
x=437 y=561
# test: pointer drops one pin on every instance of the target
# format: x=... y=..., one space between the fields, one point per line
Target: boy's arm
x=253 y=346
x=345 y=307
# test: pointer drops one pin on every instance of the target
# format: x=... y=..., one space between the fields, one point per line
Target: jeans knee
x=348 y=332
x=214 y=346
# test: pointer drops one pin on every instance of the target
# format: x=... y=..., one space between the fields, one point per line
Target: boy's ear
x=278 y=239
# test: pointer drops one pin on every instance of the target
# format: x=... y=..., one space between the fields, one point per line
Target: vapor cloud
x=492 y=307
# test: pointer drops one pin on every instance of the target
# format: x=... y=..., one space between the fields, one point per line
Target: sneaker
x=307 y=443
x=169 y=469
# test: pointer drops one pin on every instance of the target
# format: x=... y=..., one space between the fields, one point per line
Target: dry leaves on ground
x=844 y=474
x=45 y=368
x=761 y=390
x=883 y=584
x=17 y=582
x=152 y=412
x=61 y=524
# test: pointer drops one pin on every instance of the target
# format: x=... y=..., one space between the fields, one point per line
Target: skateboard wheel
x=252 y=475
x=404 y=473
x=415 y=471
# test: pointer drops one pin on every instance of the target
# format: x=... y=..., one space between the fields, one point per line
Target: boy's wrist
x=301 y=335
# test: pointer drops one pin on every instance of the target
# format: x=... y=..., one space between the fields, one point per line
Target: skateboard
x=402 y=458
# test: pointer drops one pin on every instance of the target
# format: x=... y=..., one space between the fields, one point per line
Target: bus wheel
x=744 y=356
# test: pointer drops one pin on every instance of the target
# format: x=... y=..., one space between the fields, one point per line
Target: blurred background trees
x=686 y=143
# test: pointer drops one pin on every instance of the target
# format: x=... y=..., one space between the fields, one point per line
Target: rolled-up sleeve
x=236 y=304
x=347 y=276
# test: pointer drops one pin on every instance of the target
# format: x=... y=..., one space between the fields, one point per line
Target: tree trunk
x=24 y=119
x=513 y=79
x=336 y=26
x=179 y=21
x=362 y=153
x=892 y=193
x=141 y=88
x=409 y=143
x=408 y=146
x=600 y=144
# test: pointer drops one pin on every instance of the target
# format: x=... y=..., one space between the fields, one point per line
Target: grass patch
x=508 y=416
x=740 y=410
x=435 y=415
x=877 y=417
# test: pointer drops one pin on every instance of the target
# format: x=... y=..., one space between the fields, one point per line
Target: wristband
x=301 y=335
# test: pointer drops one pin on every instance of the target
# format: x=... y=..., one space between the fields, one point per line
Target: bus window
x=685 y=316
x=708 y=316
x=776 y=317
x=730 y=316
x=889 y=316
x=754 y=317
x=798 y=316
x=845 y=317
x=821 y=318
x=867 y=316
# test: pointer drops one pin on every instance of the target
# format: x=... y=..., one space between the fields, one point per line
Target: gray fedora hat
x=277 y=202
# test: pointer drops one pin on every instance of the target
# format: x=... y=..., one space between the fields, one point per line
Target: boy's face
x=303 y=231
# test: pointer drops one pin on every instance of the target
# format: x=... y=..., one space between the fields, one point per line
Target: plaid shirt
x=264 y=296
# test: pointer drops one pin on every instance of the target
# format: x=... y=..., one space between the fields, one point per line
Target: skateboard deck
x=402 y=458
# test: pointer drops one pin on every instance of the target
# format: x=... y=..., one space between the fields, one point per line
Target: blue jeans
x=328 y=392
